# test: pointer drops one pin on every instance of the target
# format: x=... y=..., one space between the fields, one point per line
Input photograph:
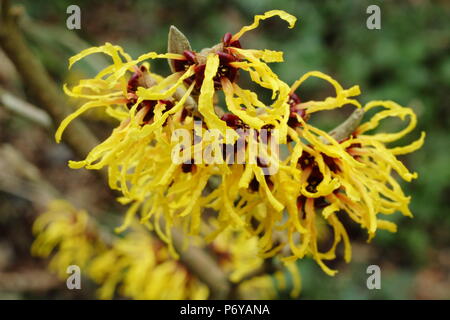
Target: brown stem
x=41 y=86
x=25 y=109
x=204 y=267
x=28 y=280
x=346 y=128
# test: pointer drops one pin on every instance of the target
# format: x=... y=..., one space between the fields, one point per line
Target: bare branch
x=204 y=267
x=24 y=109
x=346 y=128
x=40 y=84
x=28 y=280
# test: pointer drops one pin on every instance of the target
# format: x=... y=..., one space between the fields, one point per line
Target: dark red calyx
x=305 y=160
x=182 y=65
x=140 y=78
x=321 y=202
x=350 y=149
x=199 y=75
x=254 y=184
x=227 y=41
x=222 y=255
x=295 y=110
x=188 y=167
x=353 y=145
x=314 y=179
x=227 y=38
x=301 y=201
x=293 y=99
x=150 y=104
x=269 y=182
x=190 y=56
x=133 y=82
x=331 y=163
x=226 y=57
x=232 y=120
x=224 y=69
x=169 y=104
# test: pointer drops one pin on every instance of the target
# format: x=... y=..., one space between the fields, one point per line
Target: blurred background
x=407 y=61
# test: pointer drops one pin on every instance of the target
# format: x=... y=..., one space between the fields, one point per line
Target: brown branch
x=28 y=280
x=39 y=83
x=346 y=128
x=23 y=108
x=204 y=267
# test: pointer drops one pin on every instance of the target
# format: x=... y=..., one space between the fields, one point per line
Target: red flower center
x=225 y=69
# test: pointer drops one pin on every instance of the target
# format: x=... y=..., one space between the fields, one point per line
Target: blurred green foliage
x=406 y=61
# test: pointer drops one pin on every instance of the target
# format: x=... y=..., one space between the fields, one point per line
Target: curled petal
x=206 y=99
x=392 y=110
x=282 y=14
x=342 y=95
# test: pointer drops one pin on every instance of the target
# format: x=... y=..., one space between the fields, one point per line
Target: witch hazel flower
x=348 y=172
x=321 y=175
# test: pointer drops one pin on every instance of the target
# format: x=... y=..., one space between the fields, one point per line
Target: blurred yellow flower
x=136 y=266
x=66 y=230
x=238 y=254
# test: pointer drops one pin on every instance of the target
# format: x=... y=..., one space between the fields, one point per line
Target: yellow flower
x=322 y=175
x=139 y=266
x=208 y=70
x=238 y=254
x=217 y=68
x=353 y=175
x=67 y=230
x=136 y=266
x=151 y=108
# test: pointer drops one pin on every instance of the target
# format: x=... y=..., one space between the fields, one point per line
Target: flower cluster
x=349 y=171
x=138 y=265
